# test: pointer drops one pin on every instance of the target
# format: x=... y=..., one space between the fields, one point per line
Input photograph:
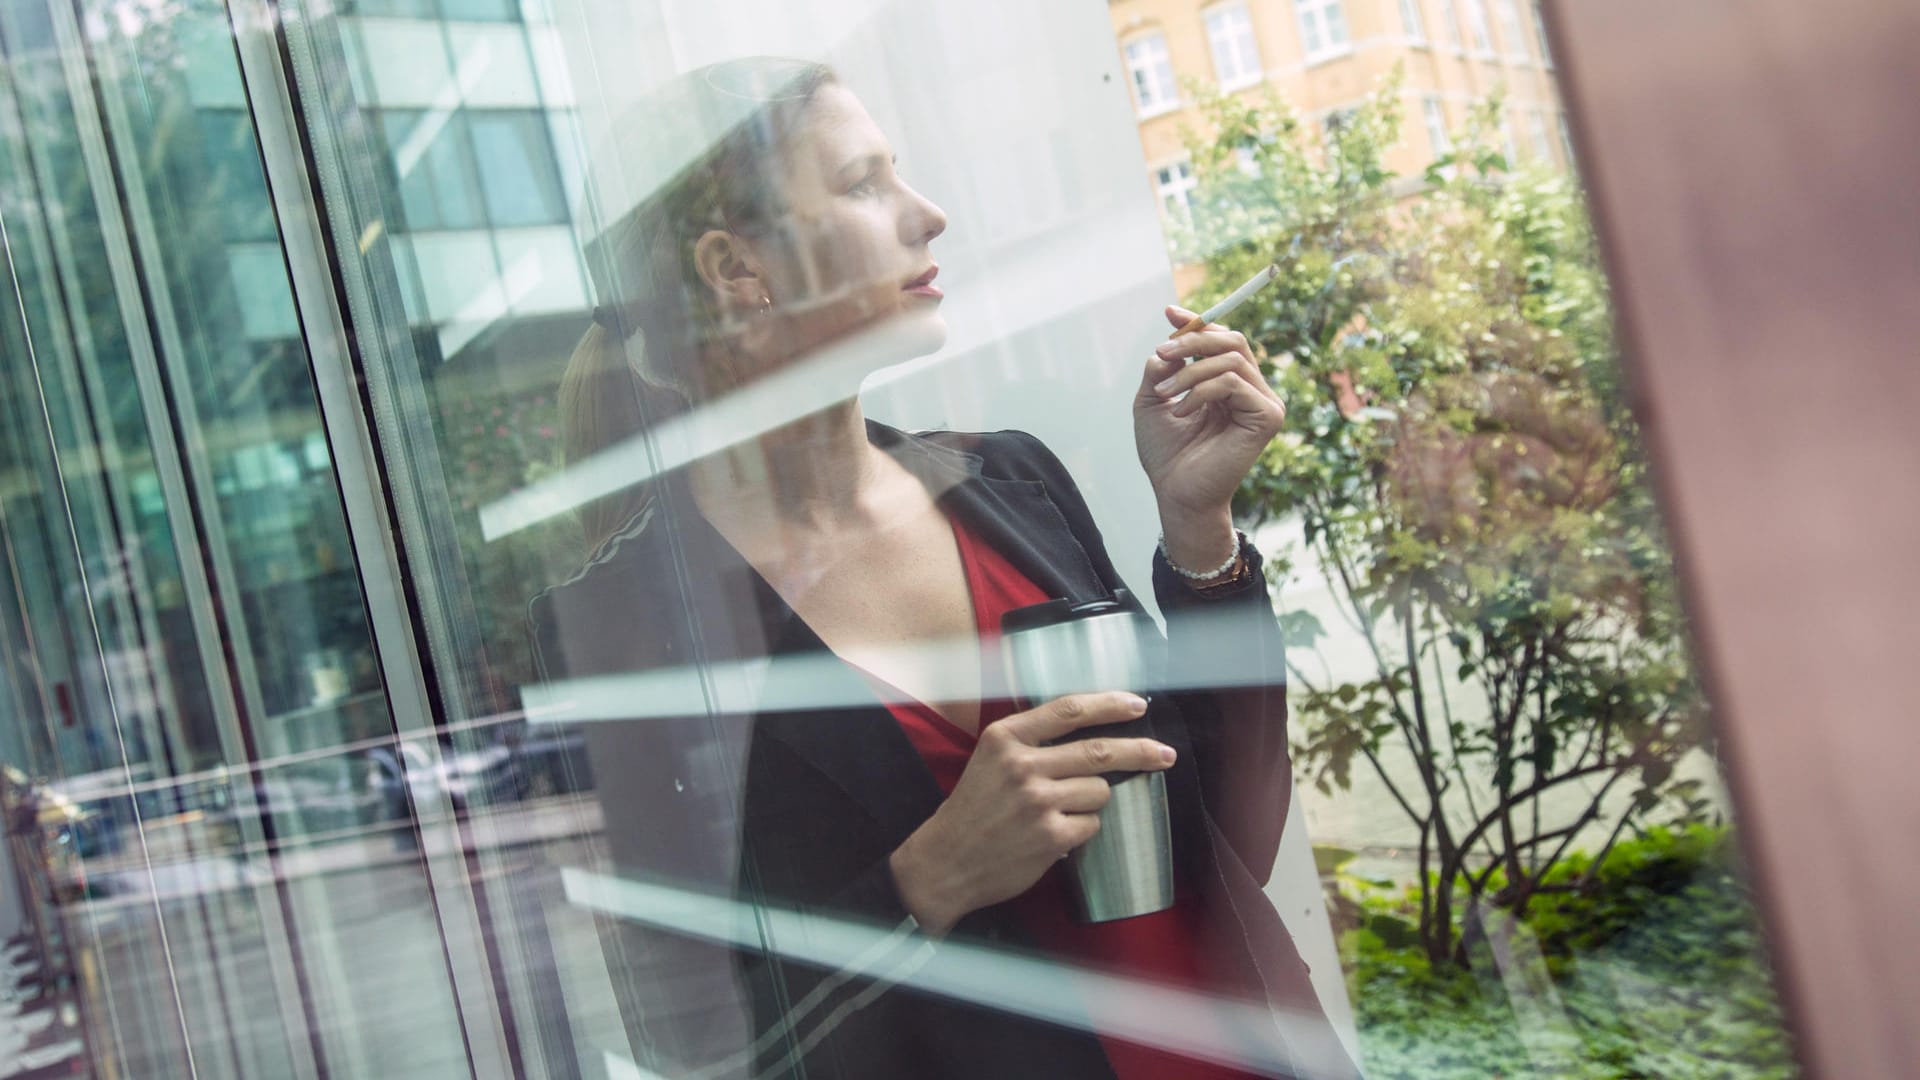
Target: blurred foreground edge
x=1751 y=165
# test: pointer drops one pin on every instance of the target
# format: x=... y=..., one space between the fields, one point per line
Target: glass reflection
x=782 y=248
x=749 y=788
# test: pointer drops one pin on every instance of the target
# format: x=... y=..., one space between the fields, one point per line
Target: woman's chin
x=923 y=331
x=907 y=334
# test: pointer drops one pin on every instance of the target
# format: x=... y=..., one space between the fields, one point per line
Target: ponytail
x=604 y=402
x=733 y=184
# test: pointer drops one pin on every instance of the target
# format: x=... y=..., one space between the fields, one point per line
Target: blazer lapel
x=1016 y=517
x=859 y=746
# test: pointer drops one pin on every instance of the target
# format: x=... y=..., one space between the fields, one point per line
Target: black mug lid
x=1054 y=612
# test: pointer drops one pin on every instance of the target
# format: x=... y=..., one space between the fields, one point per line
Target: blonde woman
x=789 y=245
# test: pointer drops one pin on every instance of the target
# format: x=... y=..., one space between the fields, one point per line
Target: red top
x=1162 y=947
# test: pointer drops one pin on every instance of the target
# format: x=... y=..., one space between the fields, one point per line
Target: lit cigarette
x=1225 y=307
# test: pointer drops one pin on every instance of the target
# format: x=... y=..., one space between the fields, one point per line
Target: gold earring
x=766 y=304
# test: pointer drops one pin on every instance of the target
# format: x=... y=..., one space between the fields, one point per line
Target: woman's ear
x=727 y=268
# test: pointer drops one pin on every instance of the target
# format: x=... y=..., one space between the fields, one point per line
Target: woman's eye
x=864 y=187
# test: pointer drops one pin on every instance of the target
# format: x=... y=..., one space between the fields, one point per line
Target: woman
x=899 y=799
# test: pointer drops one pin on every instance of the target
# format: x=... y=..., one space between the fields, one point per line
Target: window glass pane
x=517 y=173
x=238 y=188
x=1435 y=115
x=1153 y=84
x=1450 y=16
x=564 y=561
x=1512 y=37
x=1310 y=30
x=482 y=10
x=1411 y=20
x=1477 y=26
x=407 y=9
x=1236 y=59
x=1336 y=24
x=213 y=883
x=432 y=157
x=494 y=66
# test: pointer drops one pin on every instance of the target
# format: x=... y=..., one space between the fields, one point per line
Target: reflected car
x=406 y=774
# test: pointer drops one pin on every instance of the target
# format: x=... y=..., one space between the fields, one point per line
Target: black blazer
x=798 y=808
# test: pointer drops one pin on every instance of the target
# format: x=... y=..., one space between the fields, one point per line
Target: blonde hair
x=651 y=292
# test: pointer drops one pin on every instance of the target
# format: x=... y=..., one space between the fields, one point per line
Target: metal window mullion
x=172 y=469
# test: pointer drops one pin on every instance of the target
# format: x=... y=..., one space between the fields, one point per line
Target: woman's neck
x=813 y=473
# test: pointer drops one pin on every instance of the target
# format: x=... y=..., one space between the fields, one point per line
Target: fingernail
x=1137 y=703
x=1165 y=386
x=1167 y=755
x=1164 y=352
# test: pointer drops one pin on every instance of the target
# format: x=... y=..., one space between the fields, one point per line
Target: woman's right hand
x=1020 y=806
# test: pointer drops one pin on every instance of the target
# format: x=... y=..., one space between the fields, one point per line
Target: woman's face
x=850 y=251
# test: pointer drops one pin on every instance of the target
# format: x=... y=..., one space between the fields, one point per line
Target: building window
x=1436 y=116
x=1509 y=146
x=1175 y=184
x=1323 y=27
x=1566 y=138
x=1450 y=15
x=1410 y=19
x=1236 y=59
x=434 y=161
x=1154 y=90
x=1537 y=131
x=1477 y=28
x=517 y=173
x=481 y=10
x=1511 y=34
x=1540 y=30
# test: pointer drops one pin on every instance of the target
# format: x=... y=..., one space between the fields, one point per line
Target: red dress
x=1160 y=948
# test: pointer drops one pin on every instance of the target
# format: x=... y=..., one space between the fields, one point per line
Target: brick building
x=1326 y=55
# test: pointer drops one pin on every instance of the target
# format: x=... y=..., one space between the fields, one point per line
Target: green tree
x=1469 y=484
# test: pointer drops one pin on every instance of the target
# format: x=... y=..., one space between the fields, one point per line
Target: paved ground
x=39 y=1036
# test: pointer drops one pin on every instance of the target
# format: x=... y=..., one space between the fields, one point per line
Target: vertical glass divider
x=171 y=467
x=69 y=348
x=364 y=488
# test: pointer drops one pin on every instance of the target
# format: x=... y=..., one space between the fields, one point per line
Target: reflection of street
x=181 y=867
x=369 y=941
x=37 y=1022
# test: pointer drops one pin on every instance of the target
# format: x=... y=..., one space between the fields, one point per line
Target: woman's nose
x=924 y=220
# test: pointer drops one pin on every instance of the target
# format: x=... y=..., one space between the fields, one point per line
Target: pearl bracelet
x=1239 y=541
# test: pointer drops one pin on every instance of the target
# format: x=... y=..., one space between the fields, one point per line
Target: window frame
x=1513 y=33
x=1450 y=15
x=1433 y=111
x=1537 y=133
x=1479 y=30
x=1152 y=66
x=1413 y=22
x=1251 y=42
x=1175 y=182
x=1328 y=49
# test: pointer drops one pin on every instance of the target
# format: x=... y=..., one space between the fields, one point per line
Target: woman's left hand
x=1197 y=449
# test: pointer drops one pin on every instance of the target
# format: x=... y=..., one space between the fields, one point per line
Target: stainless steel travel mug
x=1062 y=647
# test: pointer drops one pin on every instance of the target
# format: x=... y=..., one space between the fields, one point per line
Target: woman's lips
x=924 y=286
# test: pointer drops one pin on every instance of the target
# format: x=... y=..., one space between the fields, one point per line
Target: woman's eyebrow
x=864 y=163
